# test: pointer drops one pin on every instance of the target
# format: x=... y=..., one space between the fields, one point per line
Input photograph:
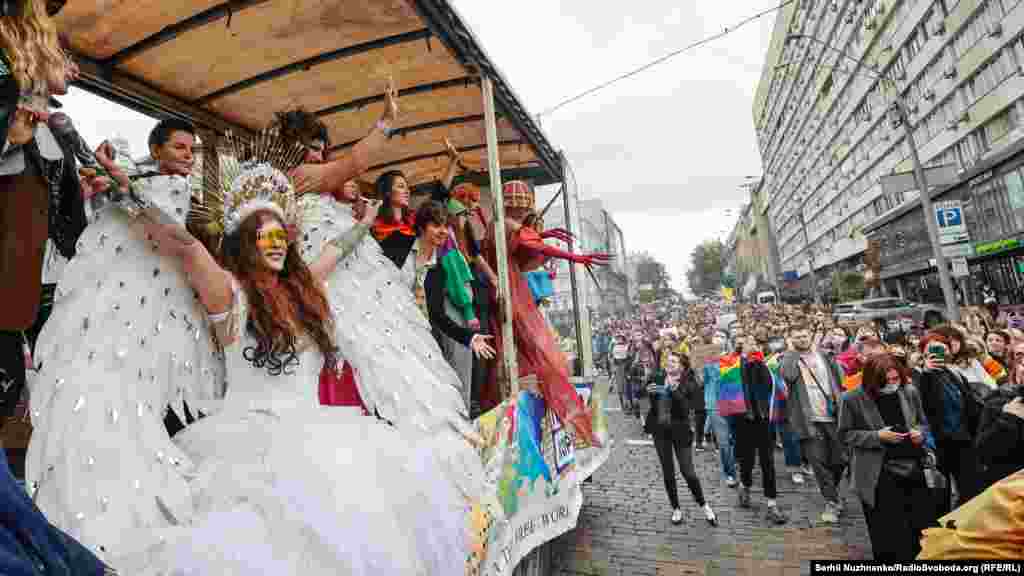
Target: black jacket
x=434 y=287
x=931 y=385
x=757 y=389
x=999 y=444
x=683 y=399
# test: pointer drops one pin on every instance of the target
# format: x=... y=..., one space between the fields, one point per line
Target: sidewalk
x=624 y=527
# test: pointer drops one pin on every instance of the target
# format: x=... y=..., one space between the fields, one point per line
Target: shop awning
x=232 y=65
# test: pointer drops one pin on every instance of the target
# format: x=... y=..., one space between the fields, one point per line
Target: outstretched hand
x=481 y=348
x=558 y=234
x=596 y=259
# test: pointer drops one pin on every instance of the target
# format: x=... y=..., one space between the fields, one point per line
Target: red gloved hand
x=558 y=234
x=596 y=259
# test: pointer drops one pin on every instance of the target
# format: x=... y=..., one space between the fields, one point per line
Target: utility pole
x=929 y=214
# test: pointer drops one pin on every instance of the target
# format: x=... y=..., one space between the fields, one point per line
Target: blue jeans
x=726 y=437
x=29 y=545
x=790 y=446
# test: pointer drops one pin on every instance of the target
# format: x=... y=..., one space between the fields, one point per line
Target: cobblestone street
x=624 y=527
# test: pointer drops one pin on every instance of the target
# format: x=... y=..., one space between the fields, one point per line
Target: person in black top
x=676 y=389
x=394 y=227
x=432 y=232
x=952 y=415
x=883 y=422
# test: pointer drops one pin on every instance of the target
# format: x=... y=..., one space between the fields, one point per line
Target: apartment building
x=822 y=110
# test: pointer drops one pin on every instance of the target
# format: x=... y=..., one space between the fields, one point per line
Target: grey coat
x=859 y=423
x=797 y=403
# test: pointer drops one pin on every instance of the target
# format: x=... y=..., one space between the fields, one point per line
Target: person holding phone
x=673 y=392
x=883 y=423
x=945 y=397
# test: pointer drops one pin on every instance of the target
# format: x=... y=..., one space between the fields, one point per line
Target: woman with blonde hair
x=42 y=212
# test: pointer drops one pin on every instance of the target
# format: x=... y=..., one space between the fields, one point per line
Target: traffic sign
x=960 y=268
x=949 y=215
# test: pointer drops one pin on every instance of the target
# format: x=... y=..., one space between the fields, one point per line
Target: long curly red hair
x=281 y=309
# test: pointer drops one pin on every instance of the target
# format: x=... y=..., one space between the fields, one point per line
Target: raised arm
x=212 y=283
x=313 y=178
x=339 y=248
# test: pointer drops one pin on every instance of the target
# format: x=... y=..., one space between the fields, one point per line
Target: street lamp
x=899 y=110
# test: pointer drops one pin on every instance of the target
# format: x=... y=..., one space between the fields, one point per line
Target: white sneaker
x=677 y=516
x=709 y=515
x=830 y=515
x=798 y=478
x=730 y=482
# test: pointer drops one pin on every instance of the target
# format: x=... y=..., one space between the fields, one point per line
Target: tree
x=705 y=273
x=653 y=280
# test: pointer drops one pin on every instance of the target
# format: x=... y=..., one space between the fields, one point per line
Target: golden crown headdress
x=246 y=176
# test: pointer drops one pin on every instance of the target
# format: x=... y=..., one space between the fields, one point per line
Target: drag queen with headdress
x=272 y=483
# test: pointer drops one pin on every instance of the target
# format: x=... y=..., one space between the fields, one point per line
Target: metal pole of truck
x=500 y=239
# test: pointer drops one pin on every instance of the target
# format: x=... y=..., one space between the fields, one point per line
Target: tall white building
x=598 y=233
x=821 y=113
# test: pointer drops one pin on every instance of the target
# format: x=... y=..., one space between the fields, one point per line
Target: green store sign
x=996 y=247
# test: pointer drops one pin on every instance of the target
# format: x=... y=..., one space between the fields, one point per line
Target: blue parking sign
x=949 y=216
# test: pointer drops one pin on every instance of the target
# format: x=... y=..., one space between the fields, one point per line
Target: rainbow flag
x=777 y=408
x=730 y=386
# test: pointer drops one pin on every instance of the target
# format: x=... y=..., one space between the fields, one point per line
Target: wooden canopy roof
x=230 y=65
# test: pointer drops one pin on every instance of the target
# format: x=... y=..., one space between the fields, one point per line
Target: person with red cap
x=537 y=349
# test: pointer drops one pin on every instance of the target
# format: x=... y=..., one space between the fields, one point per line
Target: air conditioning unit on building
x=950 y=72
x=995 y=30
x=939 y=29
x=929 y=95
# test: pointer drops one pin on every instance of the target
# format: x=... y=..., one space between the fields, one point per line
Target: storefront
x=992 y=197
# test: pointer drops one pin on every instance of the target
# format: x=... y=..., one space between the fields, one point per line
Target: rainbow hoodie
x=777 y=407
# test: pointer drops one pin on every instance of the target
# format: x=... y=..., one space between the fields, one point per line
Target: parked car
x=889 y=311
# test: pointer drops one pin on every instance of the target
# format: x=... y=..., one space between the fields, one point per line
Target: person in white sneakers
x=672 y=394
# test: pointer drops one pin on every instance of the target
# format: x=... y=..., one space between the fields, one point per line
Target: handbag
x=933 y=477
x=902 y=467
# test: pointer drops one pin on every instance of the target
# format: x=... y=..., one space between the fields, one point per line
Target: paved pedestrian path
x=624 y=527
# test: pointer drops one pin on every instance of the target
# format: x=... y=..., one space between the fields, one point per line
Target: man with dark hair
x=814 y=383
x=172 y=146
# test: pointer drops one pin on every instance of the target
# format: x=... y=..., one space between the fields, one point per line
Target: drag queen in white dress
x=270 y=484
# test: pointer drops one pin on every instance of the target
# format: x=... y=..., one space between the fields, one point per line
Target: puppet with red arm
x=537 y=349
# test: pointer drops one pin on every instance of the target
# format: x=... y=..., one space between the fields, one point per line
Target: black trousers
x=903 y=508
x=754 y=438
x=700 y=417
x=678 y=440
x=12 y=357
x=957 y=461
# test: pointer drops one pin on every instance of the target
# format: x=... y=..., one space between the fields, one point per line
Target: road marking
x=639 y=442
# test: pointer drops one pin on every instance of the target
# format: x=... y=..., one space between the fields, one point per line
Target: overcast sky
x=665 y=150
